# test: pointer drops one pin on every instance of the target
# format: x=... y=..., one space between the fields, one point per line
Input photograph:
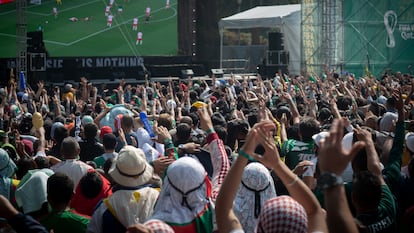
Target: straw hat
x=130 y=168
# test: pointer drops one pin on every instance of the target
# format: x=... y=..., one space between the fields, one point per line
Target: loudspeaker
x=273 y=58
x=187 y=73
x=275 y=41
x=217 y=71
x=35 y=42
x=37 y=62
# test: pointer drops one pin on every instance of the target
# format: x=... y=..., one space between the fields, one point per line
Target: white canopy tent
x=285 y=17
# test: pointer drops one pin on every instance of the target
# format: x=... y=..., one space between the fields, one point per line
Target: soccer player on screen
x=111 y=3
x=120 y=9
x=110 y=17
x=147 y=14
x=55 y=12
x=139 y=38
x=135 y=24
x=59 y=2
x=167 y=4
x=107 y=9
x=73 y=19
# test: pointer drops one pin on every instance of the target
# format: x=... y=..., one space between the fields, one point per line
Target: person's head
x=236 y=130
x=372 y=122
x=390 y=104
x=189 y=195
x=24 y=165
x=282 y=214
x=90 y=131
x=91 y=184
x=183 y=133
x=8 y=167
x=127 y=123
x=59 y=189
x=278 y=112
x=165 y=120
x=195 y=118
x=256 y=188
x=409 y=142
x=366 y=191
x=325 y=116
x=388 y=121
x=318 y=138
x=218 y=119
x=130 y=168
x=377 y=109
x=307 y=128
x=187 y=120
x=37 y=144
x=59 y=132
x=221 y=132
x=109 y=141
x=42 y=162
x=70 y=148
x=104 y=130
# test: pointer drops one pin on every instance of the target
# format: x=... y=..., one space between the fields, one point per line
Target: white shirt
x=135 y=20
x=139 y=35
x=148 y=10
x=73 y=168
x=110 y=17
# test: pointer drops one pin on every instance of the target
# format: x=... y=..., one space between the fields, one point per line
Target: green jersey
x=296 y=151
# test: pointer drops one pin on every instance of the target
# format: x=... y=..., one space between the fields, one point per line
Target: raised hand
x=332 y=157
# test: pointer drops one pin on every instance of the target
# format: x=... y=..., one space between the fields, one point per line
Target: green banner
x=378 y=36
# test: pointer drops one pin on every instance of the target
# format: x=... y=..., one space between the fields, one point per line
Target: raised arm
x=218 y=154
x=293 y=108
x=226 y=219
x=297 y=189
x=333 y=160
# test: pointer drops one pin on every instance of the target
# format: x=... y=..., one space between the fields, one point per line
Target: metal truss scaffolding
x=21 y=37
x=322 y=31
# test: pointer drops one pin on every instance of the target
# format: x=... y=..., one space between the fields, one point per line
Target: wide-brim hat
x=130 y=168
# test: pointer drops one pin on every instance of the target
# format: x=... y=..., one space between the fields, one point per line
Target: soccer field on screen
x=92 y=37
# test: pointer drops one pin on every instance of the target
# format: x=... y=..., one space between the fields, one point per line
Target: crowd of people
x=301 y=153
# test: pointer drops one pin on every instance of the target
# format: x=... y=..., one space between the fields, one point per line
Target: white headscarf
x=256 y=180
x=186 y=175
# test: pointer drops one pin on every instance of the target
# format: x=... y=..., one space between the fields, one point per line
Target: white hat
x=409 y=141
x=171 y=104
x=347 y=141
x=317 y=138
x=130 y=168
x=382 y=99
x=387 y=122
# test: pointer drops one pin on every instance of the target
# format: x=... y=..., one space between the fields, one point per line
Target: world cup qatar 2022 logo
x=406 y=29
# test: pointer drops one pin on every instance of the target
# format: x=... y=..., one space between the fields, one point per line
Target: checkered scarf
x=158 y=226
x=282 y=215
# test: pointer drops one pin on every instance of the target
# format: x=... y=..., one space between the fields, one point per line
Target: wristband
x=168 y=141
x=293 y=181
x=247 y=156
x=210 y=130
